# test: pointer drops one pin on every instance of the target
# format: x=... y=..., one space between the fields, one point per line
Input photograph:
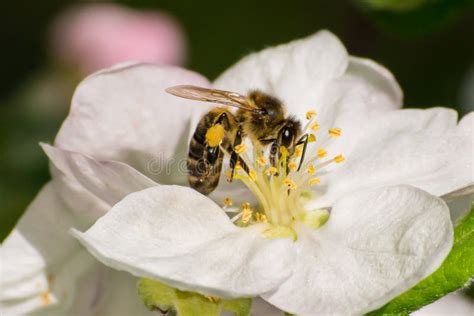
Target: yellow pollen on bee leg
x=335 y=132
x=310 y=114
x=290 y=184
x=271 y=171
x=314 y=181
x=311 y=169
x=292 y=166
x=261 y=161
x=314 y=127
x=339 y=158
x=228 y=201
x=321 y=153
x=214 y=135
x=240 y=149
x=311 y=138
x=284 y=151
x=46 y=298
x=229 y=175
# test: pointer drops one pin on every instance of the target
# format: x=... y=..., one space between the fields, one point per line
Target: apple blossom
x=373 y=224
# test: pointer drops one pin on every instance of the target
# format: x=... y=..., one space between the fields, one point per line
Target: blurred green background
x=427 y=44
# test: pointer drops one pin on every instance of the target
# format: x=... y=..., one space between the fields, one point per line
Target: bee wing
x=212 y=95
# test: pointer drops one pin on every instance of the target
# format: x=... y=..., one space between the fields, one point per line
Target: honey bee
x=260 y=117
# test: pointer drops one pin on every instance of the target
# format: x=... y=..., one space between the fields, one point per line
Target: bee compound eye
x=287 y=136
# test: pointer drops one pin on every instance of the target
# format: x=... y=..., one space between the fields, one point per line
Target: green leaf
x=159 y=296
x=455 y=273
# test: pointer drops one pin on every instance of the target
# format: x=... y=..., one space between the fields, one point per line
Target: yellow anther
x=339 y=158
x=228 y=201
x=252 y=175
x=321 y=153
x=261 y=161
x=246 y=213
x=292 y=166
x=311 y=138
x=271 y=171
x=46 y=298
x=310 y=114
x=261 y=218
x=311 y=169
x=240 y=149
x=238 y=166
x=314 y=127
x=314 y=181
x=284 y=151
x=298 y=152
x=335 y=132
x=214 y=135
x=290 y=184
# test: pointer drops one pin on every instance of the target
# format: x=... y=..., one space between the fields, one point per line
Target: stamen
x=321 y=153
x=339 y=158
x=214 y=135
x=271 y=171
x=292 y=166
x=314 y=181
x=298 y=152
x=310 y=114
x=246 y=213
x=261 y=161
x=238 y=166
x=261 y=218
x=335 y=132
x=290 y=184
x=311 y=169
x=240 y=149
x=314 y=127
x=252 y=175
x=228 y=201
x=311 y=138
x=279 y=232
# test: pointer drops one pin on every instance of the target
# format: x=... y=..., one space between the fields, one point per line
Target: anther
x=311 y=169
x=321 y=153
x=335 y=132
x=310 y=114
x=339 y=158
x=240 y=149
x=271 y=171
x=290 y=184
x=311 y=138
x=261 y=218
x=246 y=212
x=314 y=127
x=261 y=161
x=228 y=201
x=292 y=166
x=252 y=175
x=298 y=152
x=314 y=181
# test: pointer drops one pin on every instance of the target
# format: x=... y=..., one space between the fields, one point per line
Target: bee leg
x=234 y=157
x=303 y=140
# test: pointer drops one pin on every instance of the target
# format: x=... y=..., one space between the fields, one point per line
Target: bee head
x=269 y=109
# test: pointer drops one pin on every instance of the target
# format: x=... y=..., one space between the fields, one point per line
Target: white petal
x=376 y=245
x=124 y=114
x=452 y=304
x=109 y=180
x=181 y=237
x=459 y=207
x=423 y=148
x=296 y=72
x=39 y=242
x=385 y=91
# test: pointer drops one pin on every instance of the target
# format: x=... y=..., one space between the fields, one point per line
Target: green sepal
x=156 y=295
x=455 y=273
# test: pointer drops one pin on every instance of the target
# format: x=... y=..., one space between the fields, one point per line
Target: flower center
x=282 y=190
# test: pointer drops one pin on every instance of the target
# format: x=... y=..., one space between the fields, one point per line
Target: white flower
x=387 y=227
